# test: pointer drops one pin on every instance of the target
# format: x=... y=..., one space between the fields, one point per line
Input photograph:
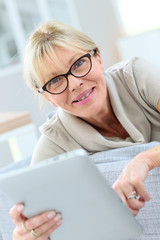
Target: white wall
x=16 y=96
x=98 y=20
x=145 y=45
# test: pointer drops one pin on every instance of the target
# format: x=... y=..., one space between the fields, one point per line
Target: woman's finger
x=132 y=198
x=142 y=192
x=124 y=199
x=38 y=220
x=44 y=231
x=46 y=235
x=125 y=190
x=16 y=213
x=41 y=230
x=134 y=211
x=135 y=204
x=137 y=201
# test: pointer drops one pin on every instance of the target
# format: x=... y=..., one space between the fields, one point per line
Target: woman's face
x=85 y=96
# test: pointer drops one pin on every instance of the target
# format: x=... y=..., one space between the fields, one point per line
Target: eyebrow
x=71 y=61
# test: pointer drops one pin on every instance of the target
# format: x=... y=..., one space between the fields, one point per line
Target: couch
x=110 y=163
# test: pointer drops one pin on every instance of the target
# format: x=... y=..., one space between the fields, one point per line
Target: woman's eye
x=53 y=81
x=79 y=63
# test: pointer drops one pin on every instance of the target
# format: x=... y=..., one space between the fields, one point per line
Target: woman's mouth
x=84 y=96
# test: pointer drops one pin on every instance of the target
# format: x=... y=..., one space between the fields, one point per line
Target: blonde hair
x=41 y=44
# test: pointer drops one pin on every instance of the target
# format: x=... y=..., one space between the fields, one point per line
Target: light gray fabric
x=134 y=90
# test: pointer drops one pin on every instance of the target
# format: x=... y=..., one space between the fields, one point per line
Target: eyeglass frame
x=89 y=55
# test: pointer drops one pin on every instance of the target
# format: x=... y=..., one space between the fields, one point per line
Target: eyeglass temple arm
x=40 y=90
x=92 y=52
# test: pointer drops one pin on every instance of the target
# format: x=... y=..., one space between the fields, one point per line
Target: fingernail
x=20 y=208
x=51 y=214
x=59 y=222
x=57 y=217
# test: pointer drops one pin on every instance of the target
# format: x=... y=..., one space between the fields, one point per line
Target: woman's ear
x=99 y=58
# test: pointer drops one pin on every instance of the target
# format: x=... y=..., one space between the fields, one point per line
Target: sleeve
x=147 y=77
x=44 y=149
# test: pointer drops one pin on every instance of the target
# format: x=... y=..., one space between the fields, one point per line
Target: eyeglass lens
x=79 y=69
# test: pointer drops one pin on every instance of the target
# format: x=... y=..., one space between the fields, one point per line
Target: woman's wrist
x=151 y=157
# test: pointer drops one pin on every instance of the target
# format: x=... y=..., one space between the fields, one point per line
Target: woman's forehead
x=59 y=61
x=63 y=55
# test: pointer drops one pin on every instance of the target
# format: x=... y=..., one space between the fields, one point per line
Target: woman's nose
x=74 y=83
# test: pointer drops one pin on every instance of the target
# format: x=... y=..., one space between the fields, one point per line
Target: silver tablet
x=72 y=184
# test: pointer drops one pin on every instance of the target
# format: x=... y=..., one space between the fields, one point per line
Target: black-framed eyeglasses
x=80 y=68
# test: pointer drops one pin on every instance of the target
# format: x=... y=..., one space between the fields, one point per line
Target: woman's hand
x=39 y=227
x=132 y=180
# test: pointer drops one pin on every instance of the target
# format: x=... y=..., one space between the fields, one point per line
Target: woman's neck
x=106 y=122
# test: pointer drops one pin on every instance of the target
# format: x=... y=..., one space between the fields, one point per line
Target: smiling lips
x=83 y=95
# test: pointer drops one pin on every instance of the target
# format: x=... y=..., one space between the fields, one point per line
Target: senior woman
x=97 y=110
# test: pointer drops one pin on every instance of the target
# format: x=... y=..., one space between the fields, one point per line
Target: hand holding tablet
x=71 y=185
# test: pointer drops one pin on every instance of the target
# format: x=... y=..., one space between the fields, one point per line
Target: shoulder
x=119 y=66
x=44 y=149
x=145 y=70
x=58 y=136
x=121 y=74
x=134 y=70
x=51 y=126
x=130 y=65
x=139 y=77
x=126 y=67
x=46 y=146
x=61 y=123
